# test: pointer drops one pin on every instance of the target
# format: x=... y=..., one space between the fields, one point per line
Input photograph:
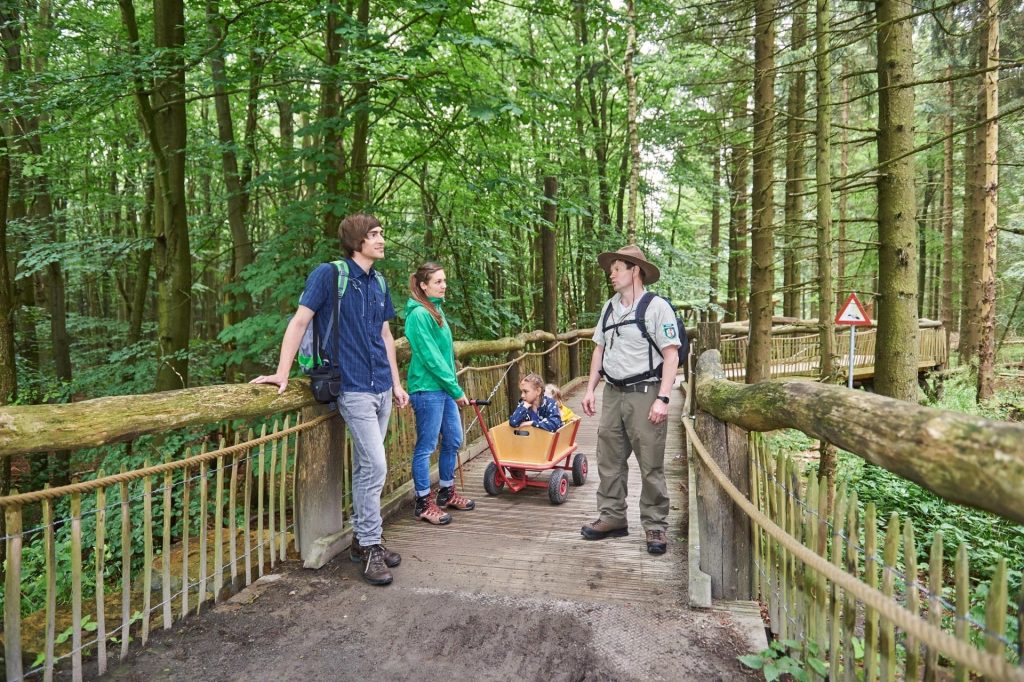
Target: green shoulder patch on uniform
x=668 y=330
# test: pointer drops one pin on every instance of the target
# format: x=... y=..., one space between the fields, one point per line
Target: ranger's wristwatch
x=663 y=398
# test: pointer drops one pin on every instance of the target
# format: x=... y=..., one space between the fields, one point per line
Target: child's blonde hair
x=552 y=391
x=535 y=379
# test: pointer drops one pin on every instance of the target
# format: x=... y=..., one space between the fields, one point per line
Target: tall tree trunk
x=989 y=227
x=844 y=192
x=592 y=232
x=716 y=225
x=549 y=263
x=947 y=209
x=896 y=349
x=739 y=256
x=762 y=252
x=333 y=143
x=239 y=303
x=634 y=142
x=8 y=301
x=823 y=214
x=357 y=184
x=974 y=213
x=794 y=204
x=141 y=290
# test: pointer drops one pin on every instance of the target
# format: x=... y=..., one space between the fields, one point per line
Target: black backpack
x=639 y=319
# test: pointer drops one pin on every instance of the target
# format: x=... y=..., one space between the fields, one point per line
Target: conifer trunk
x=762 y=252
x=896 y=349
x=989 y=228
x=948 y=318
x=794 y=203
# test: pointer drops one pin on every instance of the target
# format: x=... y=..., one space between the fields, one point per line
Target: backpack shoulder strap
x=641 y=314
x=607 y=316
x=381 y=283
x=342 y=267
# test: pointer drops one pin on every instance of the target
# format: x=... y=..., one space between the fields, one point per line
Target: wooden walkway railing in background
x=800 y=355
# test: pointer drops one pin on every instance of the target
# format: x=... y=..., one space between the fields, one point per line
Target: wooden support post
x=574 y=361
x=512 y=382
x=725 y=544
x=319 y=485
x=552 y=367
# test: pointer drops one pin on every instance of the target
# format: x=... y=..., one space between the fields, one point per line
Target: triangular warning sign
x=852 y=313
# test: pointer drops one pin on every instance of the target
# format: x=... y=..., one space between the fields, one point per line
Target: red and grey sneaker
x=449 y=498
x=427 y=511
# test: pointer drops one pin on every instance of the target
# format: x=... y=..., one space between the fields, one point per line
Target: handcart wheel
x=558 y=487
x=492 y=484
x=579 y=469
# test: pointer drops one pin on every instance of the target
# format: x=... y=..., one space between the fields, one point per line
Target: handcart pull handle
x=479 y=402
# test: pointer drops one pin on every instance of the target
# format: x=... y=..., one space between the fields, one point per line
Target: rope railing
x=885 y=605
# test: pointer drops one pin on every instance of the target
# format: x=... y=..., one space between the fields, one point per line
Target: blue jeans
x=436 y=415
x=366 y=416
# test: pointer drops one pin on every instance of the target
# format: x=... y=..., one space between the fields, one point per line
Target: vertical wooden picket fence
x=238 y=486
x=846 y=639
x=212 y=522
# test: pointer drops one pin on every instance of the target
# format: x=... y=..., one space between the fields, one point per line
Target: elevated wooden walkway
x=507 y=591
x=521 y=543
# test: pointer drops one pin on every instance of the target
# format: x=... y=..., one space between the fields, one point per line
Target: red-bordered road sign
x=852 y=313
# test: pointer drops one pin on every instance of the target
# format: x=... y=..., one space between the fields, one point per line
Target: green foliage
x=799 y=660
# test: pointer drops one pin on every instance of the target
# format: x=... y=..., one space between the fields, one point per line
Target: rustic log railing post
x=574 y=361
x=512 y=381
x=319 y=489
x=725 y=545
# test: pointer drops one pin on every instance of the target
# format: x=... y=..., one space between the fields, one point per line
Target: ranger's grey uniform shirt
x=625 y=348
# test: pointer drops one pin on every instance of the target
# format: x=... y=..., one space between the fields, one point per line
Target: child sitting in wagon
x=534 y=406
x=552 y=391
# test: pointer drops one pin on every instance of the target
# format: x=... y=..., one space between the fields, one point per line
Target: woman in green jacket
x=434 y=393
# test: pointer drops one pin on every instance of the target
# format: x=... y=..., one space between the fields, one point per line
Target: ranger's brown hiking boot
x=657 y=541
x=449 y=498
x=375 y=571
x=427 y=511
x=601 y=529
x=357 y=554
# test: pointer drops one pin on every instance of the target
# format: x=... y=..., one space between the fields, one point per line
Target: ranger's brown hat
x=630 y=254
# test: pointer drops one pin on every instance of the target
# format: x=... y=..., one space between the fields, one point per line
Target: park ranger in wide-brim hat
x=633 y=255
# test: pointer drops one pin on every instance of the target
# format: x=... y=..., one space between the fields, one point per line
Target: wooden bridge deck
x=521 y=543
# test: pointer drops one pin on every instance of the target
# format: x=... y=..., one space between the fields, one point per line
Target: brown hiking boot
x=357 y=554
x=657 y=541
x=449 y=498
x=427 y=511
x=601 y=529
x=375 y=571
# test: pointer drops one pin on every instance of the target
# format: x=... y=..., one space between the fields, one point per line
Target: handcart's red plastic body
x=518 y=451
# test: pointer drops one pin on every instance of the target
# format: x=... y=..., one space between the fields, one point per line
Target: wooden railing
x=843 y=601
x=243 y=478
x=799 y=355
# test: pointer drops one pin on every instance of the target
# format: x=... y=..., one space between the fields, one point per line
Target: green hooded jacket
x=432 y=367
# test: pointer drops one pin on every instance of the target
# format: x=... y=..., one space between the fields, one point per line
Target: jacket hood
x=412 y=304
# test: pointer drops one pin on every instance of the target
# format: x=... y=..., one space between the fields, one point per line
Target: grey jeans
x=366 y=416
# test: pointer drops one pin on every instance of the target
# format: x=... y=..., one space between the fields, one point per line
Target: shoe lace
x=375 y=557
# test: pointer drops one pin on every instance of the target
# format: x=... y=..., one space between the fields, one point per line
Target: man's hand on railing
x=280 y=380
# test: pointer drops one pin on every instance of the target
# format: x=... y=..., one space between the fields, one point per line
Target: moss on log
x=962 y=458
x=508 y=344
x=42 y=428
